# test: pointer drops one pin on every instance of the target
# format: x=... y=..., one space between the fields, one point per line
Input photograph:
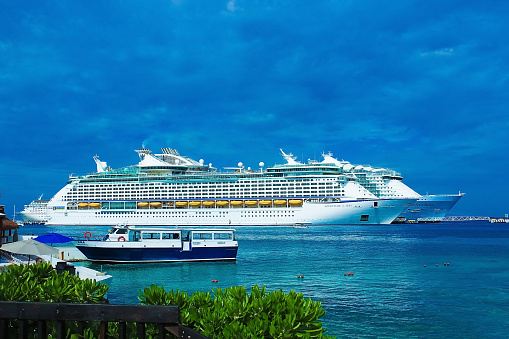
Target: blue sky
x=418 y=87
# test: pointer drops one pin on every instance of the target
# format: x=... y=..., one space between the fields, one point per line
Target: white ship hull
x=310 y=213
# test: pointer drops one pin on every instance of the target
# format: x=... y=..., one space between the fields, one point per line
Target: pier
x=461 y=218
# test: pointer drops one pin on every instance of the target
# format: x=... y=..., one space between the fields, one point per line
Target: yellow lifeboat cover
x=265 y=202
x=181 y=203
x=280 y=202
x=235 y=202
x=222 y=203
x=209 y=203
x=251 y=202
x=83 y=204
x=195 y=203
x=295 y=202
x=143 y=204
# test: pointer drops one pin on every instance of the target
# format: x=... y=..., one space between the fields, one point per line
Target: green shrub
x=233 y=313
x=42 y=283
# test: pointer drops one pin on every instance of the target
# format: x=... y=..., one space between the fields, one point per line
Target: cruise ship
x=387 y=183
x=36 y=212
x=171 y=189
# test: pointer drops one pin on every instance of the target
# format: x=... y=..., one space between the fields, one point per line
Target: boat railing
x=27 y=315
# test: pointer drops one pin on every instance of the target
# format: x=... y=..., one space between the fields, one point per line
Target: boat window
x=121 y=231
x=171 y=235
x=364 y=217
x=185 y=235
x=202 y=235
x=149 y=235
x=222 y=236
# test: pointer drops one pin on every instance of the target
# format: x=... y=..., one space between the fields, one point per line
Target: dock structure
x=465 y=218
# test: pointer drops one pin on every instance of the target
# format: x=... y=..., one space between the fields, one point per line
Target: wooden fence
x=165 y=317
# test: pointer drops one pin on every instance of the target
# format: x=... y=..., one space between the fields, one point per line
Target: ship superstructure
x=387 y=183
x=170 y=189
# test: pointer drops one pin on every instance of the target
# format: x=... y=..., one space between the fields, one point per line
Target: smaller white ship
x=36 y=212
x=126 y=244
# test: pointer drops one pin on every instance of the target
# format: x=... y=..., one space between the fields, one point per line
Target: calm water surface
x=397 y=290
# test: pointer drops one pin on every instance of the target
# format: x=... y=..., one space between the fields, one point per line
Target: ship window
x=364 y=217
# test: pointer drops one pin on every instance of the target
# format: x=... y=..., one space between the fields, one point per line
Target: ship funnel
x=101 y=165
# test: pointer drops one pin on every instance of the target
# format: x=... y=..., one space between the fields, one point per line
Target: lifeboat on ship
x=295 y=202
x=280 y=202
x=95 y=205
x=251 y=203
x=265 y=202
x=181 y=203
x=221 y=203
x=155 y=204
x=195 y=203
x=209 y=203
x=143 y=204
x=83 y=205
x=236 y=203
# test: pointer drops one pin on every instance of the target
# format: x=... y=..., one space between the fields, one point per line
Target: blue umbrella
x=53 y=238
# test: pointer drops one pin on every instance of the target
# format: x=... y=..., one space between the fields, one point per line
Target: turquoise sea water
x=396 y=290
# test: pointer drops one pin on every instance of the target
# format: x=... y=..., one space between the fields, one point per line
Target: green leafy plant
x=234 y=313
x=42 y=283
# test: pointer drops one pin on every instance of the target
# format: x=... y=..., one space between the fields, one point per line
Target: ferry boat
x=139 y=244
x=171 y=189
x=387 y=183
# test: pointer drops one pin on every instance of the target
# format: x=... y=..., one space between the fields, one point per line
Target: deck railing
x=165 y=317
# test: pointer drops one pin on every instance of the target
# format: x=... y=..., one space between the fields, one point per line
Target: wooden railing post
x=41 y=329
x=103 y=329
x=122 y=330
x=23 y=329
x=60 y=329
x=140 y=330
